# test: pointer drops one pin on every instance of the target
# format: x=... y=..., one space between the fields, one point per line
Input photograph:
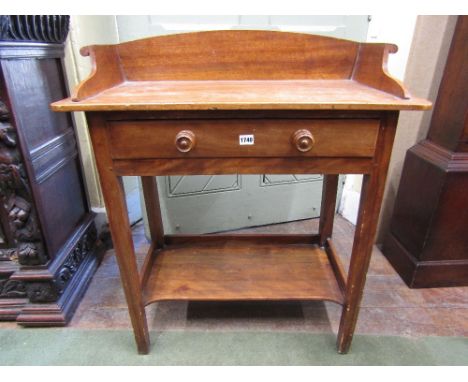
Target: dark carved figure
x=81 y=250
x=12 y=288
x=16 y=199
x=41 y=292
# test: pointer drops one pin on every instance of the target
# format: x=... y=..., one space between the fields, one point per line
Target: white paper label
x=247 y=139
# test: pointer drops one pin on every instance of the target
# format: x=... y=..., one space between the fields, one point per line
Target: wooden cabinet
x=427 y=243
x=47 y=249
x=241 y=102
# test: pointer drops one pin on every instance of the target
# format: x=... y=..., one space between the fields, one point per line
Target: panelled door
x=201 y=204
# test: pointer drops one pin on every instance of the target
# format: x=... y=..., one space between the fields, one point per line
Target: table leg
x=328 y=207
x=360 y=258
x=153 y=210
x=114 y=198
x=373 y=186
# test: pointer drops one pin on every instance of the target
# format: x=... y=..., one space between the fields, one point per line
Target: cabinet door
x=201 y=204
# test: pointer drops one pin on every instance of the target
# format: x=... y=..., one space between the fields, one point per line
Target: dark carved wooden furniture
x=184 y=104
x=428 y=239
x=48 y=237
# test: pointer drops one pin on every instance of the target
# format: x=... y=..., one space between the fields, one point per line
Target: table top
x=242 y=95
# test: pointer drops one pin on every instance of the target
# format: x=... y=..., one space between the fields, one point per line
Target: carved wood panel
x=48 y=239
x=24 y=237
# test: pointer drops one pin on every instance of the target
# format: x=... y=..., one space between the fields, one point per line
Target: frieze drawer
x=243 y=138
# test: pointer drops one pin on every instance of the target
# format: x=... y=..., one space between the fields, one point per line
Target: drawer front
x=243 y=138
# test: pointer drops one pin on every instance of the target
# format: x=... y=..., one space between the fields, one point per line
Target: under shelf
x=228 y=270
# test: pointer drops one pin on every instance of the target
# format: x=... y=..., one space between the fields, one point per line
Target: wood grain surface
x=219 y=166
x=237 y=55
x=239 y=70
x=236 y=270
x=105 y=72
x=220 y=138
x=242 y=95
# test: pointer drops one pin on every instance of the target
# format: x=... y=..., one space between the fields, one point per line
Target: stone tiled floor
x=389 y=307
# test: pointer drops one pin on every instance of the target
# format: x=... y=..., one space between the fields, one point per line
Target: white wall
x=395 y=29
x=87 y=30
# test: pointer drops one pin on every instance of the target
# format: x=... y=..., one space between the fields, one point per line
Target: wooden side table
x=248 y=102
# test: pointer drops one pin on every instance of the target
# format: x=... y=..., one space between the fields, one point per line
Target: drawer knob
x=303 y=140
x=185 y=141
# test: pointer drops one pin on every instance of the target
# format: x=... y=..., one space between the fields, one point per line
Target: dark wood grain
x=427 y=243
x=449 y=123
x=48 y=246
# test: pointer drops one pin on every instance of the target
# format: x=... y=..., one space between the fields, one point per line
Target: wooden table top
x=242 y=95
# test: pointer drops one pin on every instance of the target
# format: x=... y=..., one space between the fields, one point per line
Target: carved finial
x=34 y=28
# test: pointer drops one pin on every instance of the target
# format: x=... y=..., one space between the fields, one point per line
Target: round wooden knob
x=185 y=141
x=303 y=140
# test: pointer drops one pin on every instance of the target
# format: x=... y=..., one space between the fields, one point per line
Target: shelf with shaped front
x=243 y=267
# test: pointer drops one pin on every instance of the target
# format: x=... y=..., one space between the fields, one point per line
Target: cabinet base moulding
x=49 y=297
x=424 y=274
x=59 y=313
